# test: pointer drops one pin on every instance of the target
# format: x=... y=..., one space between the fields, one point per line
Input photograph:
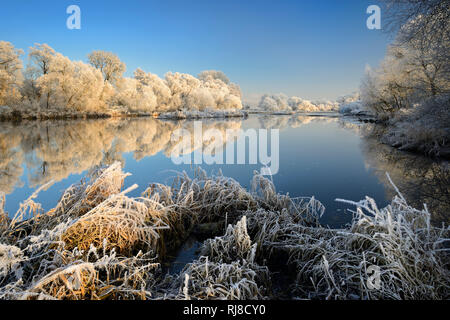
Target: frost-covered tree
x=429 y=58
x=146 y=92
x=208 y=75
x=135 y=96
x=430 y=15
x=281 y=103
x=108 y=63
x=389 y=88
x=159 y=87
x=226 y=95
x=181 y=85
x=40 y=56
x=58 y=85
x=74 y=86
x=30 y=90
x=10 y=72
x=209 y=92
x=274 y=102
x=417 y=64
x=55 y=85
x=411 y=88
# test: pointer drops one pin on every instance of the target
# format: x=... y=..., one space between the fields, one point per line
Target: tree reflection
x=295 y=121
x=53 y=150
x=421 y=180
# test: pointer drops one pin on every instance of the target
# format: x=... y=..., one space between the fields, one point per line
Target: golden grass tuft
x=126 y=224
x=109 y=277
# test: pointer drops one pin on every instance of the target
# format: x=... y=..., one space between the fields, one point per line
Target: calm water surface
x=325 y=157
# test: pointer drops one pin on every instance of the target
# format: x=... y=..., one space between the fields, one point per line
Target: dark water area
x=187 y=253
x=325 y=157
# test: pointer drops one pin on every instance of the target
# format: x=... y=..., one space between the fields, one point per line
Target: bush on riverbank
x=424 y=129
x=98 y=243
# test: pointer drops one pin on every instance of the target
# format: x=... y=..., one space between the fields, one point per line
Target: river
x=327 y=157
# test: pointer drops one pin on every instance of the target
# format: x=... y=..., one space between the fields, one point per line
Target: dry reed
x=225 y=270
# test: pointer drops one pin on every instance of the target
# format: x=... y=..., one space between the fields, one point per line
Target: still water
x=325 y=157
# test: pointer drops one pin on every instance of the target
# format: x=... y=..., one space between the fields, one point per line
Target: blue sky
x=312 y=49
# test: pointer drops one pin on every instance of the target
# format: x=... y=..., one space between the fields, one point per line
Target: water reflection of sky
x=318 y=157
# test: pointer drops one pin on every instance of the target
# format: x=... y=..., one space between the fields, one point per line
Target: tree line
x=52 y=83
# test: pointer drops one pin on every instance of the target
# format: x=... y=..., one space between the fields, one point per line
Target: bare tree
x=430 y=15
x=40 y=56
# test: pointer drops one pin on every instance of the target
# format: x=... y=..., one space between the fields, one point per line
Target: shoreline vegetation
x=9 y=115
x=79 y=250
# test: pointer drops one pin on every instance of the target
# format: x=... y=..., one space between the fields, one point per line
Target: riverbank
x=416 y=135
x=417 y=140
x=7 y=114
x=79 y=250
x=429 y=140
x=424 y=129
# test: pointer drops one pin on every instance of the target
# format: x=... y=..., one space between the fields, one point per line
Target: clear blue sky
x=312 y=49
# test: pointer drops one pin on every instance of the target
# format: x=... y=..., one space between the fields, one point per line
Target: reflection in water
x=281 y=122
x=53 y=150
x=11 y=158
x=420 y=179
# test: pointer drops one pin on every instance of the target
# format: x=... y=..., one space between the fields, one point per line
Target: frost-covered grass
x=8 y=114
x=226 y=269
x=98 y=243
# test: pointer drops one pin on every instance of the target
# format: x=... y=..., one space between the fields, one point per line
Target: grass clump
x=125 y=223
x=410 y=254
x=226 y=270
